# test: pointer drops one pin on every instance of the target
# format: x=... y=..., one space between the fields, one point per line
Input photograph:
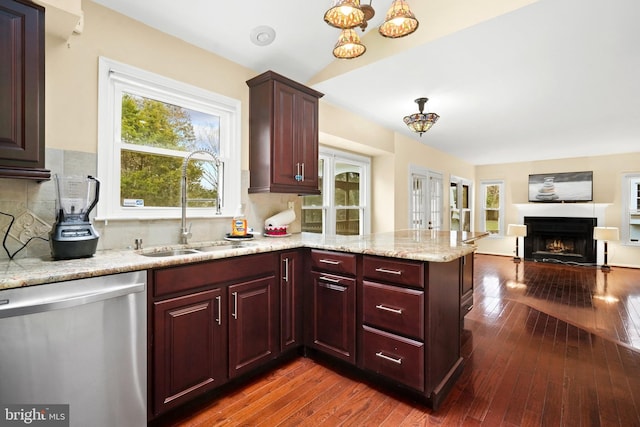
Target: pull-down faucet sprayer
x=185 y=233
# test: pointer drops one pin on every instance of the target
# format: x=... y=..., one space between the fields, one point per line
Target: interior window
x=631 y=209
x=343 y=207
x=148 y=125
x=492 y=207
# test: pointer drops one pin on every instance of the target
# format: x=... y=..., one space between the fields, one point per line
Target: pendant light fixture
x=348 y=14
x=349 y=45
x=421 y=122
x=344 y=14
x=399 y=22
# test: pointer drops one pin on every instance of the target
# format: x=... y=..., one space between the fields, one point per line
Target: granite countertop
x=424 y=245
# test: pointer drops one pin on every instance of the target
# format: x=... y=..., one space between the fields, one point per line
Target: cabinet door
x=306 y=146
x=286 y=164
x=290 y=300
x=334 y=322
x=22 y=91
x=189 y=353
x=253 y=309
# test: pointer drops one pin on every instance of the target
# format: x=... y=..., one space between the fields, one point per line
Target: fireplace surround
x=560 y=239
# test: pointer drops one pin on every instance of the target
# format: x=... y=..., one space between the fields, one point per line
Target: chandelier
x=348 y=14
x=421 y=122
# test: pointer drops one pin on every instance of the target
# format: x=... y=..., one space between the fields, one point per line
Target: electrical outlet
x=291 y=205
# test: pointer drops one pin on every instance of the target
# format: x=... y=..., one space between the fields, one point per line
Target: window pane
x=155 y=179
x=312 y=220
x=492 y=196
x=316 y=199
x=158 y=124
x=453 y=195
x=347 y=185
x=465 y=197
x=492 y=221
x=347 y=222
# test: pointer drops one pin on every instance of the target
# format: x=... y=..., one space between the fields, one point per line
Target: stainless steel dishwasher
x=81 y=343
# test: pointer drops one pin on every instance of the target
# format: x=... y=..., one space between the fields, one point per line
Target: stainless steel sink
x=217 y=246
x=172 y=252
x=224 y=246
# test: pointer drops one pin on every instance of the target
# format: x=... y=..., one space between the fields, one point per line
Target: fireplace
x=560 y=239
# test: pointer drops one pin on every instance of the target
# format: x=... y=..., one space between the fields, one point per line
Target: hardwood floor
x=544 y=345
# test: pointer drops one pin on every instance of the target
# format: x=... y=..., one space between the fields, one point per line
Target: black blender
x=73 y=235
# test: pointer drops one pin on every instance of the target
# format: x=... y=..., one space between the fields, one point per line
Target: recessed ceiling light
x=262 y=35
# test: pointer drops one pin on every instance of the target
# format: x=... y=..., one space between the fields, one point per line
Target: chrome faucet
x=185 y=233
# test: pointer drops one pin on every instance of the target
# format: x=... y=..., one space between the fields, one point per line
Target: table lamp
x=517 y=230
x=606 y=234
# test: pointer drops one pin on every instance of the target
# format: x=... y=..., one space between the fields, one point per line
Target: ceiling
x=512 y=80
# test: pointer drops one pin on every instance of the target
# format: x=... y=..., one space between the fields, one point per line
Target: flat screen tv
x=561 y=187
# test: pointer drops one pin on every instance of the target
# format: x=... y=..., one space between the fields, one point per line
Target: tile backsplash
x=33 y=206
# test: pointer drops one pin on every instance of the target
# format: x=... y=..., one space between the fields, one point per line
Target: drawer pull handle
x=384 y=270
x=330 y=261
x=219 y=301
x=390 y=359
x=392 y=310
x=329 y=279
x=333 y=287
x=235 y=305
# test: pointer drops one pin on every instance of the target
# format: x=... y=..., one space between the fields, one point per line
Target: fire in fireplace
x=560 y=239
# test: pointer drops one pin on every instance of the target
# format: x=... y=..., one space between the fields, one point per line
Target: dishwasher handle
x=20 y=306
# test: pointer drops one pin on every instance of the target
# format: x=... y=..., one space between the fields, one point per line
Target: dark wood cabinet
x=410 y=327
x=22 y=91
x=283 y=135
x=210 y=322
x=466 y=285
x=252 y=324
x=333 y=300
x=190 y=352
x=291 y=286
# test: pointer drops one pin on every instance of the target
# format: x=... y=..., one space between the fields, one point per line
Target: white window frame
x=431 y=202
x=330 y=157
x=115 y=78
x=630 y=182
x=461 y=211
x=483 y=191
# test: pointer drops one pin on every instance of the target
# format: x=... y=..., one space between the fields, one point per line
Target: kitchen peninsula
x=388 y=304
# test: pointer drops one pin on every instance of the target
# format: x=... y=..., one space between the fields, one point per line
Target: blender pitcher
x=73 y=235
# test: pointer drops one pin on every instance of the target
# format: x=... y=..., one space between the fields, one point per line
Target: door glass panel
x=312 y=220
x=348 y=222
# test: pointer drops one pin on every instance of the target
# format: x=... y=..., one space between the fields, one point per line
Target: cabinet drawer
x=335 y=262
x=393 y=356
x=393 y=308
x=394 y=271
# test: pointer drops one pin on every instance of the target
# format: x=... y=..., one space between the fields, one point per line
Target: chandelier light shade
x=421 y=122
x=344 y=14
x=399 y=22
x=349 y=45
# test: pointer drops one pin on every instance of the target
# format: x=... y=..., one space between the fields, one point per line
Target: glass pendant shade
x=349 y=45
x=344 y=14
x=399 y=22
x=421 y=122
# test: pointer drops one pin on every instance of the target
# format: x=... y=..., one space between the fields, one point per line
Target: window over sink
x=147 y=125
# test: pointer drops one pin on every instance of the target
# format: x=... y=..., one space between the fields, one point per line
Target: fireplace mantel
x=578 y=210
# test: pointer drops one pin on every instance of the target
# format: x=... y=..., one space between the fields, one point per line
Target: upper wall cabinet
x=22 y=90
x=283 y=135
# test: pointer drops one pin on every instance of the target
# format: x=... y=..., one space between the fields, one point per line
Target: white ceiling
x=552 y=79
